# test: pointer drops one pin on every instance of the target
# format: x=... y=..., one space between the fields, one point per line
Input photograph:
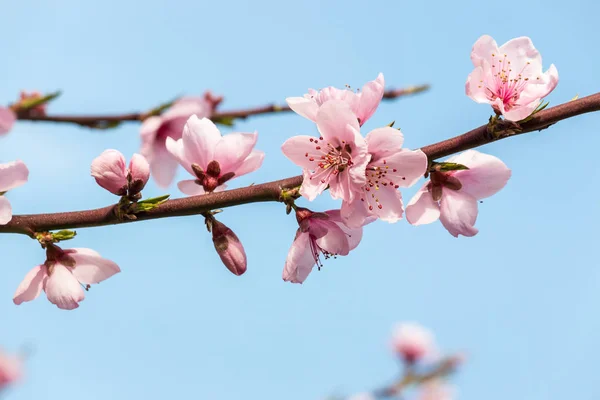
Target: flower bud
x=109 y=171
x=413 y=342
x=139 y=173
x=229 y=248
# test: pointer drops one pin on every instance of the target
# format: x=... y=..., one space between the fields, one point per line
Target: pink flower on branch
x=10 y=369
x=7 y=120
x=156 y=129
x=64 y=276
x=509 y=77
x=363 y=103
x=110 y=171
x=452 y=196
x=211 y=158
x=319 y=234
x=390 y=168
x=336 y=159
x=12 y=175
x=413 y=342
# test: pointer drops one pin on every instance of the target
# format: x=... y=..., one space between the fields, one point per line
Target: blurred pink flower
x=12 y=175
x=390 y=167
x=436 y=390
x=64 y=275
x=319 y=233
x=156 y=129
x=363 y=103
x=336 y=159
x=452 y=196
x=413 y=342
x=211 y=158
x=7 y=120
x=510 y=77
x=110 y=172
x=10 y=369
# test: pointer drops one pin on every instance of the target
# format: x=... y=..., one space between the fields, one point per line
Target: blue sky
x=520 y=298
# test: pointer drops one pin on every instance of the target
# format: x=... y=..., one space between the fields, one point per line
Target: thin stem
x=271 y=191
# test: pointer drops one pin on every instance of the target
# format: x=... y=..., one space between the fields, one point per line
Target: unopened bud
x=229 y=248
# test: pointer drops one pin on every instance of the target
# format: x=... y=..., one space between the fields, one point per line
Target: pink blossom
x=10 y=369
x=7 y=120
x=363 y=103
x=211 y=158
x=229 y=248
x=413 y=342
x=390 y=167
x=156 y=129
x=12 y=175
x=64 y=276
x=452 y=196
x=436 y=390
x=319 y=233
x=109 y=170
x=510 y=78
x=338 y=158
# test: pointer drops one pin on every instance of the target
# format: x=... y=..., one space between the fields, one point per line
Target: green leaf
x=34 y=102
x=227 y=121
x=155 y=200
x=63 y=235
x=448 y=166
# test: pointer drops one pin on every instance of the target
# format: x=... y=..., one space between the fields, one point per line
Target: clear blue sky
x=521 y=297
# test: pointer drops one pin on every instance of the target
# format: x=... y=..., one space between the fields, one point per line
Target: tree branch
x=271 y=191
x=107 y=120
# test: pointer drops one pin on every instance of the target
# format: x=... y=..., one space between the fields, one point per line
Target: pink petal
x=383 y=142
x=300 y=150
x=110 y=172
x=458 y=212
x=353 y=235
x=5 y=210
x=475 y=86
x=12 y=175
x=149 y=129
x=233 y=149
x=313 y=185
x=91 y=268
x=486 y=174
x=404 y=168
x=200 y=138
x=190 y=187
x=175 y=149
x=483 y=49
x=251 y=163
x=370 y=97
x=422 y=209
x=139 y=168
x=335 y=241
x=540 y=88
x=519 y=113
x=63 y=289
x=187 y=106
x=413 y=342
x=523 y=56
x=305 y=107
x=384 y=203
x=163 y=167
x=7 y=120
x=31 y=286
x=337 y=123
x=300 y=260
x=356 y=214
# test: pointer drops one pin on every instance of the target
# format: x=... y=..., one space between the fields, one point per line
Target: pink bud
x=139 y=171
x=109 y=171
x=229 y=248
x=413 y=342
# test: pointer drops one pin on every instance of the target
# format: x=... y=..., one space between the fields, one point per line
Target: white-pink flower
x=509 y=77
x=110 y=171
x=452 y=196
x=363 y=103
x=211 y=158
x=7 y=120
x=12 y=175
x=336 y=159
x=10 y=369
x=390 y=167
x=436 y=390
x=319 y=234
x=64 y=276
x=413 y=342
x=156 y=129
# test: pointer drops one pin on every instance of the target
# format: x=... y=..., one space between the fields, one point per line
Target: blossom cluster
x=364 y=171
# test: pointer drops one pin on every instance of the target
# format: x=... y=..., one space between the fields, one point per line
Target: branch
x=107 y=120
x=271 y=191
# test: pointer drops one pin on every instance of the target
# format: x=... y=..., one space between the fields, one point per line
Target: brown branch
x=271 y=191
x=106 y=120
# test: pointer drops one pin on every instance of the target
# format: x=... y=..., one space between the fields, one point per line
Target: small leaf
x=155 y=200
x=447 y=166
x=30 y=103
x=63 y=235
x=227 y=121
x=391 y=124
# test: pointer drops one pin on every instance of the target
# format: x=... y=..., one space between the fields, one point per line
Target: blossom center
x=211 y=178
x=329 y=159
x=379 y=175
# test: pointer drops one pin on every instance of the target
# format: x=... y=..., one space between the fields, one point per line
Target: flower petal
x=302 y=151
x=369 y=98
x=163 y=167
x=458 y=212
x=313 y=185
x=139 y=168
x=305 y=107
x=475 y=87
x=109 y=171
x=63 y=289
x=7 y=120
x=232 y=150
x=383 y=142
x=31 y=286
x=337 y=123
x=354 y=235
x=403 y=168
x=335 y=241
x=90 y=268
x=486 y=174
x=5 y=210
x=300 y=260
x=190 y=187
x=200 y=138
x=251 y=163
x=422 y=209
x=483 y=49
x=12 y=175
x=524 y=58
